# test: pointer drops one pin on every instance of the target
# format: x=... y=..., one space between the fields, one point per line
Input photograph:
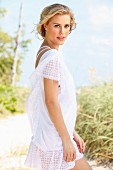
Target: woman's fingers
x=65 y=156
x=74 y=156
x=81 y=145
x=69 y=157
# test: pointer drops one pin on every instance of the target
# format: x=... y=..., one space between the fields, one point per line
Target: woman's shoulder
x=50 y=54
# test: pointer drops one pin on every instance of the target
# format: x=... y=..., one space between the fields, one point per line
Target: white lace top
x=46 y=150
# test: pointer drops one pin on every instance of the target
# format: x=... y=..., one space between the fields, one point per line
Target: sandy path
x=15 y=133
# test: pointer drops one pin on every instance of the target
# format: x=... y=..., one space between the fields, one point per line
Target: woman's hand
x=79 y=141
x=69 y=151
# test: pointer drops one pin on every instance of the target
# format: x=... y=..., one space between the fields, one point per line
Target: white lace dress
x=46 y=150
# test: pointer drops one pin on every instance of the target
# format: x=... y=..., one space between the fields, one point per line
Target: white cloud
x=101 y=15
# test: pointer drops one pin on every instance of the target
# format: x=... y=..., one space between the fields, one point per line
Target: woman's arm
x=53 y=106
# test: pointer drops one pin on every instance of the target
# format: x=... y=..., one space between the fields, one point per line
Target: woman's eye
x=56 y=25
x=67 y=26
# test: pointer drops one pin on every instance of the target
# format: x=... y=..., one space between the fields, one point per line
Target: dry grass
x=95 y=121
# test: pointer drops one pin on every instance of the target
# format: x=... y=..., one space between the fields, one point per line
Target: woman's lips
x=61 y=38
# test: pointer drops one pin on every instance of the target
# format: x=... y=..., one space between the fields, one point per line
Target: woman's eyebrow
x=56 y=23
x=60 y=24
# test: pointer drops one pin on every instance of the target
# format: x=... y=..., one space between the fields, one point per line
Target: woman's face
x=57 y=29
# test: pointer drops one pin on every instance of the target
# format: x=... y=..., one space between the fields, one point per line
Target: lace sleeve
x=52 y=69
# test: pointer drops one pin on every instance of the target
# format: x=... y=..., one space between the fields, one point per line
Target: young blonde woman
x=51 y=105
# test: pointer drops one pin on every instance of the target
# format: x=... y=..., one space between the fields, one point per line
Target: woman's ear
x=45 y=26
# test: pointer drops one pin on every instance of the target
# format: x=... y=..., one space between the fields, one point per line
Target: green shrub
x=95 y=120
x=12 y=99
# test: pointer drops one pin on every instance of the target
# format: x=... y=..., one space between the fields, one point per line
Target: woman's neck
x=51 y=45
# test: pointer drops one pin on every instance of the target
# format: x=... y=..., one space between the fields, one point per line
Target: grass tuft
x=95 y=121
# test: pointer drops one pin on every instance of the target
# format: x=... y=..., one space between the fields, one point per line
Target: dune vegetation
x=95 y=121
x=12 y=100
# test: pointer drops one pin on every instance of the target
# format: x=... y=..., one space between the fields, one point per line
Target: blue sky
x=88 y=51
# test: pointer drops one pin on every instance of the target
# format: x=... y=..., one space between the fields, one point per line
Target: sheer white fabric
x=49 y=160
x=51 y=70
x=46 y=150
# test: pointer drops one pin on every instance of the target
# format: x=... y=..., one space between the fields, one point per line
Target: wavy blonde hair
x=50 y=11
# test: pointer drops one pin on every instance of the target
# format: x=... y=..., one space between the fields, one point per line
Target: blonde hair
x=50 y=11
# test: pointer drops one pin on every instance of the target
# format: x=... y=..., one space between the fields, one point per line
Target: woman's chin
x=61 y=43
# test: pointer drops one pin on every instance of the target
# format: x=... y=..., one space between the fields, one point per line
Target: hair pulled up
x=50 y=11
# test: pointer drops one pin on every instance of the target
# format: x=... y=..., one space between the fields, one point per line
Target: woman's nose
x=61 y=30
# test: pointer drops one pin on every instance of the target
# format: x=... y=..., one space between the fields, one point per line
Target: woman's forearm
x=75 y=134
x=57 y=118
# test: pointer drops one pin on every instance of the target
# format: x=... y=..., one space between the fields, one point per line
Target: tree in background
x=8 y=46
x=2 y=12
x=15 y=59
